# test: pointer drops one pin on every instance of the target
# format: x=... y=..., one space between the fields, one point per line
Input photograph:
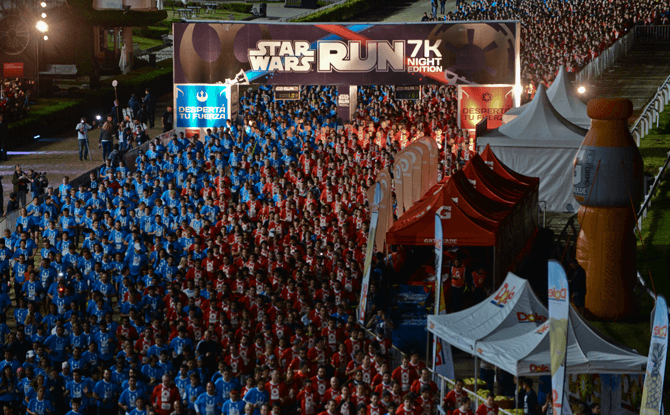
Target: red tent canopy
x=417 y=225
x=491 y=184
x=494 y=163
x=475 y=204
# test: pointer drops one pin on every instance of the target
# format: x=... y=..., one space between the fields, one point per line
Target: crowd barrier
x=444 y=384
x=652 y=33
x=651 y=112
x=620 y=48
x=8 y=221
x=605 y=60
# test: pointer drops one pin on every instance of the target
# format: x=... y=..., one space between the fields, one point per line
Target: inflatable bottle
x=608 y=174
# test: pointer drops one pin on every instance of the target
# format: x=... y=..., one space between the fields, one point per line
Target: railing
x=566 y=241
x=605 y=60
x=620 y=48
x=443 y=383
x=652 y=33
x=652 y=111
x=9 y=220
x=161 y=55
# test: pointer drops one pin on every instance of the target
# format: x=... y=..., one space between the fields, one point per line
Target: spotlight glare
x=42 y=26
x=44 y=15
x=43 y=4
x=581 y=89
x=46 y=37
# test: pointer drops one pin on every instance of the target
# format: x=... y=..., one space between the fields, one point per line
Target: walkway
x=636 y=77
x=402 y=11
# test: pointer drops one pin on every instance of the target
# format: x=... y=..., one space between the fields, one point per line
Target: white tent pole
x=476 y=382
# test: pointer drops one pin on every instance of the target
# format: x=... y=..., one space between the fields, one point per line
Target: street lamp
x=42 y=27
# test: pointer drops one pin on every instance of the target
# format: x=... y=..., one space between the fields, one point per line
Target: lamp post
x=42 y=27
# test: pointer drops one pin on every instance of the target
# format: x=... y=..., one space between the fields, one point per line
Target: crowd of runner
x=222 y=275
x=557 y=32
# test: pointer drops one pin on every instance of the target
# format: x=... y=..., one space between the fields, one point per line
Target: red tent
x=533 y=183
x=494 y=163
x=417 y=225
x=491 y=184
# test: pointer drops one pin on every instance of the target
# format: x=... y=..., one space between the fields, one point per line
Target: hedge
x=341 y=12
x=237 y=7
x=50 y=120
x=152 y=32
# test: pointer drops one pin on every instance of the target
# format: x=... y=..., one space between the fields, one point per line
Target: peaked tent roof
x=499 y=167
x=562 y=96
x=416 y=226
x=539 y=125
x=491 y=184
x=510 y=329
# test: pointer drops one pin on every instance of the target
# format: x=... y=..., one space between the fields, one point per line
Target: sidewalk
x=407 y=11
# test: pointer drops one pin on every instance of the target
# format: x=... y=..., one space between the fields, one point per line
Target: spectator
x=20 y=181
x=530 y=405
x=107 y=134
x=134 y=104
x=167 y=119
x=150 y=101
x=82 y=138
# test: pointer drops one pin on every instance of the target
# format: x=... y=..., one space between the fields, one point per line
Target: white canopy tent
x=565 y=100
x=540 y=143
x=510 y=330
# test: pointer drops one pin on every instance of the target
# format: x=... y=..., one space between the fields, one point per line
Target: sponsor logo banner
x=12 y=69
x=201 y=106
x=652 y=394
x=453 y=53
x=559 y=311
x=478 y=102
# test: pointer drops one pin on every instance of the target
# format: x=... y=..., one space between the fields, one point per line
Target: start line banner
x=454 y=53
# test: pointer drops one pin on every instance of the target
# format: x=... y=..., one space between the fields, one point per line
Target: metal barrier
x=131 y=155
x=620 y=48
x=652 y=33
x=443 y=383
x=652 y=112
x=605 y=60
x=9 y=220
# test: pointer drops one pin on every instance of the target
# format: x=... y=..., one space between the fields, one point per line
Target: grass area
x=146 y=43
x=655 y=146
x=48 y=105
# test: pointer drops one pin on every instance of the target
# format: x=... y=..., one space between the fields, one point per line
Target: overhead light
x=44 y=15
x=581 y=89
x=43 y=4
x=42 y=26
x=46 y=37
